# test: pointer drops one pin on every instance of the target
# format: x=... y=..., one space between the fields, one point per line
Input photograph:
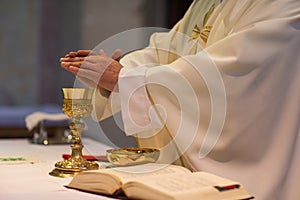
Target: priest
x=219 y=92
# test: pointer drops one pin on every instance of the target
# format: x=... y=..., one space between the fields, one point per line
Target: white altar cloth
x=30 y=179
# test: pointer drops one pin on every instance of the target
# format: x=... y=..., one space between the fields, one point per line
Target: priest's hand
x=94 y=70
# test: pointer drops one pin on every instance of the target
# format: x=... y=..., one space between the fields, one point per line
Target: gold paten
x=132 y=156
x=77 y=104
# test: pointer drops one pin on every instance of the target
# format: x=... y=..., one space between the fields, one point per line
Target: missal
x=159 y=182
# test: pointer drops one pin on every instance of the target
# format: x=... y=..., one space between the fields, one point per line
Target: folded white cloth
x=35 y=118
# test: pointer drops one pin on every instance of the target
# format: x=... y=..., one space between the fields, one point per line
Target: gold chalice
x=77 y=104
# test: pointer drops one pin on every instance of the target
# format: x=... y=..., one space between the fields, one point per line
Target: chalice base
x=75 y=164
x=69 y=168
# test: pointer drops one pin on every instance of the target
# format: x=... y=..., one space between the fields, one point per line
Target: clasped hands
x=94 y=69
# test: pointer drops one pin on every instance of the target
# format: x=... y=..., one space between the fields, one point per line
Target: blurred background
x=34 y=34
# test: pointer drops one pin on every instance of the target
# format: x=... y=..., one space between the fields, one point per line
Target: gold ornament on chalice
x=77 y=104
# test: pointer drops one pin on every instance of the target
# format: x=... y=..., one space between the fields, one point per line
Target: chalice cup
x=77 y=104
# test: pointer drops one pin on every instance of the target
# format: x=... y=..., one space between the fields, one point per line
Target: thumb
x=101 y=52
x=116 y=55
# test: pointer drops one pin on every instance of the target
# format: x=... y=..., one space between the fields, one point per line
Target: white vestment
x=252 y=57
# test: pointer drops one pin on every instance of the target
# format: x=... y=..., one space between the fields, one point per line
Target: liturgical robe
x=220 y=93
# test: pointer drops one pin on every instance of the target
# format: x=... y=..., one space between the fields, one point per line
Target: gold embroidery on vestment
x=204 y=33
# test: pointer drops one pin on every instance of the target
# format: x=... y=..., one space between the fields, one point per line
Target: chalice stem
x=76 y=127
x=77 y=151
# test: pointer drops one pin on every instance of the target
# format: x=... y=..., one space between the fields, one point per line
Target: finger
x=85 y=64
x=97 y=63
x=72 y=59
x=67 y=55
x=83 y=53
x=97 y=59
x=92 y=59
x=116 y=55
x=73 y=69
x=102 y=52
x=68 y=64
x=65 y=65
x=71 y=54
x=79 y=53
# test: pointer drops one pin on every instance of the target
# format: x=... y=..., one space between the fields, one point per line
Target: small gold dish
x=132 y=156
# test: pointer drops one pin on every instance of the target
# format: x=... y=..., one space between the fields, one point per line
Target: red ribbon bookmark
x=88 y=157
x=227 y=187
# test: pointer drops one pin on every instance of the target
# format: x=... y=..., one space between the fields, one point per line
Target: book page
x=198 y=185
x=214 y=180
x=147 y=170
x=171 y=183
x=182 y=182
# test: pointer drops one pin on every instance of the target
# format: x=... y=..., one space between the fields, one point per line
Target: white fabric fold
x=144 y=119
x=33 y=119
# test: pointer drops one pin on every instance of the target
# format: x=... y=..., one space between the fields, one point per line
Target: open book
x=155 y=181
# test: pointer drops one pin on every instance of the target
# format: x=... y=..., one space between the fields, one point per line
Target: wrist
x=110 y=77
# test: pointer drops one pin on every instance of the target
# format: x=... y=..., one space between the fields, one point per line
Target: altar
x=25 y=167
